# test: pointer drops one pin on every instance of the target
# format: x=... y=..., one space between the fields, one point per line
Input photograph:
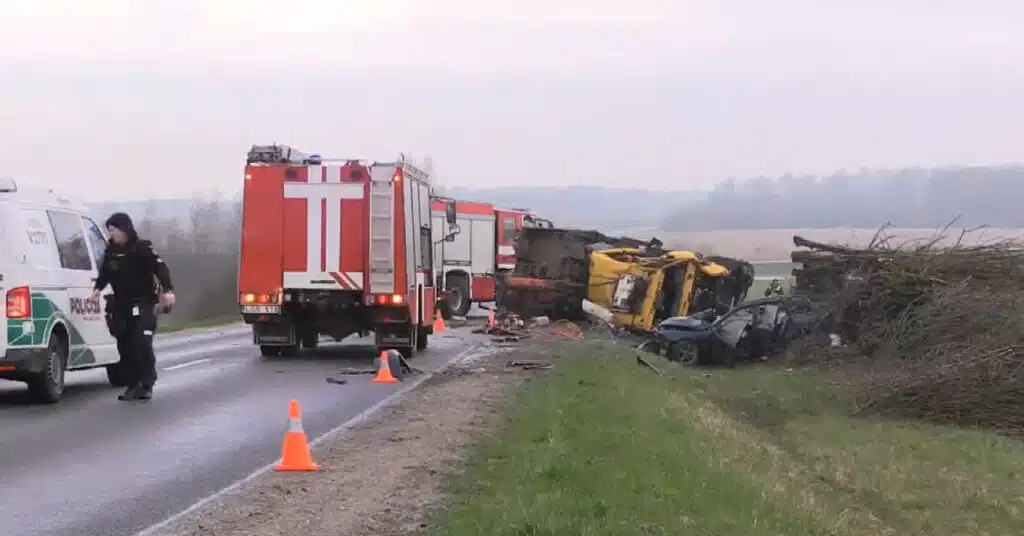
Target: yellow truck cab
x=642 y=290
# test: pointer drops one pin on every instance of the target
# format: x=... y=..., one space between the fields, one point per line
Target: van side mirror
x=449 y=213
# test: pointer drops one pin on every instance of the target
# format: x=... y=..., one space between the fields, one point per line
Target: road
x=95 y=466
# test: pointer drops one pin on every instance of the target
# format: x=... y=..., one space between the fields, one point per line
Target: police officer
x=129 y=266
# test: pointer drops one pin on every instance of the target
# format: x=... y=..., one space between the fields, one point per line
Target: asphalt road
x=94 y=466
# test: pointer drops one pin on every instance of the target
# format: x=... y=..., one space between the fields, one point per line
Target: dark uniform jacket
x=129 y=269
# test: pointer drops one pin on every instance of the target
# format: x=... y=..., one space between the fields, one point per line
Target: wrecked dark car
x=752 y=331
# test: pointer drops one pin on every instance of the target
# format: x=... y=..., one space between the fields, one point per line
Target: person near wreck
x=133 y=269
x=774 y=289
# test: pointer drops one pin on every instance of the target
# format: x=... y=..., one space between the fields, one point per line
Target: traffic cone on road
x=295 y=454
x=384 y=370
x=490 y=318
x=439 y=323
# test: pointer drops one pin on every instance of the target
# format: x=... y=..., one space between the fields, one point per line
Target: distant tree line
x=202 y=253
x=911 y=197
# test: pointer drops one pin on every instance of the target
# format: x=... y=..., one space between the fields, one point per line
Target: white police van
x=50 y=252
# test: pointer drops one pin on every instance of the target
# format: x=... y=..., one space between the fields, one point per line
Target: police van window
x=71 y=245
x=96 y=240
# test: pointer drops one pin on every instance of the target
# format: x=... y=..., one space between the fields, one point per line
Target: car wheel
x=47 y=386
x=683 y=353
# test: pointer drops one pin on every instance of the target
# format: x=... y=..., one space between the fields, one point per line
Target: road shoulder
x=382 y=475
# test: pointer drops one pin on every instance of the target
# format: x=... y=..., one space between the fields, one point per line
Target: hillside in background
x=910 y=197
x=569 y=205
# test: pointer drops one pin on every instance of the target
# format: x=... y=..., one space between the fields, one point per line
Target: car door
x=91 y=343
x=103 y=343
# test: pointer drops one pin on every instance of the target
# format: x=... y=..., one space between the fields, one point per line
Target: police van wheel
x=270 y=351
x=117 y=375
x=47 y=386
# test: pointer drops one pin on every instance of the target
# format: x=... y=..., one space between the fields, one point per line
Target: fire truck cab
x=471 y=253
x=335 y=248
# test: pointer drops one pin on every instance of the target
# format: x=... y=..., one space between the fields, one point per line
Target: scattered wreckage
x=628 y=283
x=691 y=308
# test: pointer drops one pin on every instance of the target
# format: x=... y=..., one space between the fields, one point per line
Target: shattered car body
x=752 y=331
x=637 y=283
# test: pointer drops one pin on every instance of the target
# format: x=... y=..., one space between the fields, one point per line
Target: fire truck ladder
x=382 y=233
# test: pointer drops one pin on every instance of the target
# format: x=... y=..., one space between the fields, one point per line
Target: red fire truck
x=335 y=247
x=474 y=251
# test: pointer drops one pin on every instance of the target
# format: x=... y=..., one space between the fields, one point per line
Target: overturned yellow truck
x=565 y=273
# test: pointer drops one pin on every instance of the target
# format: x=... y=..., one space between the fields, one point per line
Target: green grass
x=601 y=446
x=171 y=324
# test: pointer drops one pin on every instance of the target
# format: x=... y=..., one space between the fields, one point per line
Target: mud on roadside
x=384 y=475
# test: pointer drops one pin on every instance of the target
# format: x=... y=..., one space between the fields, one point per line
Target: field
x=600 y=446
x=776 y=244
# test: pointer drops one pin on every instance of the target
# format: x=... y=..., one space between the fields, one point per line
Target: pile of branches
x=938 y=324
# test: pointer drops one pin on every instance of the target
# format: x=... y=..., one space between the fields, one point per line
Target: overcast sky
x=160 y=98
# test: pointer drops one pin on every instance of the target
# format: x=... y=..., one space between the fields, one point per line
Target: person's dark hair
x=123 y=222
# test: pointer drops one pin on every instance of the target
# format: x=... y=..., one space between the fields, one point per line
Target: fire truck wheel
x=458 y=294
x=270 y=351
x=445 y=308
x=422 y=339
x=311 y=339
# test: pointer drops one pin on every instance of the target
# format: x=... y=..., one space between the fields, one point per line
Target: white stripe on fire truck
x=314 y=194
x=346 y=280
x=314 y=222
x=506 y=250
x=332 y=175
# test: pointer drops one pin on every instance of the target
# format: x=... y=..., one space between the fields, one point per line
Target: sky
x=134 y=100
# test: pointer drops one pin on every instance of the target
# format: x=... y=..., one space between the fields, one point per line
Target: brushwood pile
x=934 y=327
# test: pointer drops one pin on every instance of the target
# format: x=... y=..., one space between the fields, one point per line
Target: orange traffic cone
x=490 y=318
x=295 y=455
x=439 y=323
x=384 y=371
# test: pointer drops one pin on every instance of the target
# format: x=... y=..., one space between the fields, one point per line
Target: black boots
x=137 y=392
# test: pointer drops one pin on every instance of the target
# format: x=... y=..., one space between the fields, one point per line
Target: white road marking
x=155 y=528
x=188 y=364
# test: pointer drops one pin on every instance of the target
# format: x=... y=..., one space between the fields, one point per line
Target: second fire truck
x=336 y=248
x=471 y=253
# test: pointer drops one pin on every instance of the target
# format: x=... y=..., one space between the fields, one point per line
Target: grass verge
x=601 y=446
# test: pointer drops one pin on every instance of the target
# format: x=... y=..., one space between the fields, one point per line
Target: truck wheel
x=409 y=352
x=47 y=386
x=445 y=308
x=310 y=339
x=458 y=294
x=422 y=339
x=117 y=375
x=270 y=351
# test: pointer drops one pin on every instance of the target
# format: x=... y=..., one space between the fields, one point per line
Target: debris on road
x=645 y=363
x=530 y=365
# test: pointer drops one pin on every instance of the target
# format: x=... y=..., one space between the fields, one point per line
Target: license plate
x=261 y=309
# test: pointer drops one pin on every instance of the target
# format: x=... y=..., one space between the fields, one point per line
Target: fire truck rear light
x=390 y=299
x=249 y=298
x=19 y=303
